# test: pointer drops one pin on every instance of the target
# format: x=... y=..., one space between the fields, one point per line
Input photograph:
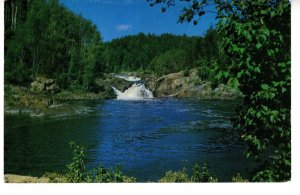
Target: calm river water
x=147 y=138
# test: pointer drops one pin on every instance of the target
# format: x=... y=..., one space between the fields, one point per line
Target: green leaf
x=226 y=74
x=264 y=86
x=258 y=45
x=272 y=118
x=257 y=69
x=273 y=13
x=239 y=74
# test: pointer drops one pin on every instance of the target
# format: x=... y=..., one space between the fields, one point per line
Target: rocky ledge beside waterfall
x=188 y=85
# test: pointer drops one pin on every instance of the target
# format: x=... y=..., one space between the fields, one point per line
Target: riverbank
x=12 y=178
x=43 y=97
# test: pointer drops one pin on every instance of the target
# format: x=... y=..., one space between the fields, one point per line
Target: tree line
x=44 y=38
x=163 y=54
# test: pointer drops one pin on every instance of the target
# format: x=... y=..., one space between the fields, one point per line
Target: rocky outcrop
x=106 y=83
x=188 y=84
x=42 y=84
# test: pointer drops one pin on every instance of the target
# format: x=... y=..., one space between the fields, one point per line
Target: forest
x=250 y=47
x=163 y=54
x=56 y=43
x=44 y=38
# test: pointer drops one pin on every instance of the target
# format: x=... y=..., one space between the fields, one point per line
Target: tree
x=43 y=38
x=143 y=52
x=257 y=42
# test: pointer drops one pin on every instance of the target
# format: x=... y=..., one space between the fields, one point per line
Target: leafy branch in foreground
x=257 y=40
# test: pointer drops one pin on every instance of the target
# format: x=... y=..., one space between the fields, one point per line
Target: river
x=147 y=138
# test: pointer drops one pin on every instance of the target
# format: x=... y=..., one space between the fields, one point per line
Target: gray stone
x=48 y=82
x=53 y=89
x=37 y=86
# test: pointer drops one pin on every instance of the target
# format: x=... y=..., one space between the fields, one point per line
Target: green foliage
x=263 y=58
x=198 y=175
x=42 y=37
x=163 y=54
x=171 y=61
x=256 y=39
x=76 y=169
x=238 y=179
x=175 y=177
x=202 y=175
x=77 y=173
x=101 y=175
x=55 y=177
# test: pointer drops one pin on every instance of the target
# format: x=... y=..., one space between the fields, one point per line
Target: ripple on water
x=147 y=138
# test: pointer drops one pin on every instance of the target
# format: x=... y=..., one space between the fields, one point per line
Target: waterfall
x=137 y=91
x=128 y=78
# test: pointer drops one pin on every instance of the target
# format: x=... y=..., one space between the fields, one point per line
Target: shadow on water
x=147 y=138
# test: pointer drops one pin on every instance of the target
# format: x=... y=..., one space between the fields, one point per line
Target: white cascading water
x=128 y=78
x=137 y=91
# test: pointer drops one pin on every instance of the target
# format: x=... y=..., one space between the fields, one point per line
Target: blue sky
x=117 y=18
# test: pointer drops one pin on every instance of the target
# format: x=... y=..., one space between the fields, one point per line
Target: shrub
x=238 y=178
x=175 y=177
x=199 y=175
x=101 y=175
x=76 y=169
x=202 y=176
x=55 y=177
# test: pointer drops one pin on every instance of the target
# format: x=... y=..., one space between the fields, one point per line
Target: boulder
x=53 y=89
x=37 y=86
x=42 y=84
x=106 y=83
x=48 y=82
x=169 y=84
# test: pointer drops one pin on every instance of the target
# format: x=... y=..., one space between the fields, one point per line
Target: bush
x=77 y=173
x=199 y=175
x=55 y=177
x=238 y=178
x=175 y=177
x=76 y=169
x=202 y=176
x=101 y=175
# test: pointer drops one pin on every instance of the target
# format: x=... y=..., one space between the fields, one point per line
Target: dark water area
x=147 y=138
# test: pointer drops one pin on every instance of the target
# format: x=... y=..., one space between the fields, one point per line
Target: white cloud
x=123 y=27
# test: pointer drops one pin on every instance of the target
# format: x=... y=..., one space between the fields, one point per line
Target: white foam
x=135 y=92
x=128 y=78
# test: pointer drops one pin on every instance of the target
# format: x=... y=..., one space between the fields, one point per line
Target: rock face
x=187 y=84
x=42 y=84
x=106 y=83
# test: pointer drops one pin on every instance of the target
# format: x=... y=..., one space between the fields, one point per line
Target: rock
x=37 y=86
x=182 y=85
x=42 y=84
x=109 y=81
x=150 y=83
x=53 y=89
x=48 y=82
x=169 y=84
x=193 y=74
